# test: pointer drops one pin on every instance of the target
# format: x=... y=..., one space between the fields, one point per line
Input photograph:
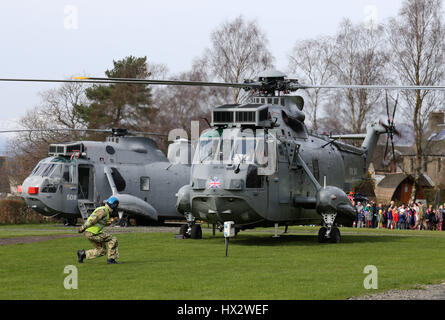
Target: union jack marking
x=214 y=183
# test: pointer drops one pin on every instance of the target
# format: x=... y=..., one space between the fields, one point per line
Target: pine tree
x=127 y=106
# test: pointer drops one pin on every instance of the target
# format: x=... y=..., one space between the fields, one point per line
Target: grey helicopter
x=258 y=164
x=78 y=176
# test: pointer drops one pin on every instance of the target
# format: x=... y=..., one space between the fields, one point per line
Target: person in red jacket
x=395 y=218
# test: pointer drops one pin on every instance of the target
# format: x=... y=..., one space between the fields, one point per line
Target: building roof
x=437 y=136
x=393 y=180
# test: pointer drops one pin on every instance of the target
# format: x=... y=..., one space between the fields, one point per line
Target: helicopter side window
x=68 y=173
x=118 y=180
x=145 y=183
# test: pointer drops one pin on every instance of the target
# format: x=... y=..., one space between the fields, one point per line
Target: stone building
x=434 y=160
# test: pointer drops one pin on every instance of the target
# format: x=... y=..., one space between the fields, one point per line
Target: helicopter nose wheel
x=124 y=221
x=329 y=232
x=191 y=230
x=70 y=221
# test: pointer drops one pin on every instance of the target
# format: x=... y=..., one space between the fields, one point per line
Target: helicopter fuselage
x=311 y=174
x=135 y=167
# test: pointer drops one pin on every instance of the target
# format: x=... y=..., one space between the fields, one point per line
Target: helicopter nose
x=224 y=208
x=31 y=186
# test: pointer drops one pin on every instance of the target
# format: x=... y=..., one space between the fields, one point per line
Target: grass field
x=157 y=266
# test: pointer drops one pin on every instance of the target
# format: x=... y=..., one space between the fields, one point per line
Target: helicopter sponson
x=334 y=200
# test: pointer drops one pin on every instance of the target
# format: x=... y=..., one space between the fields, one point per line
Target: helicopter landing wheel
x=335 y=235
x=184 y=231
x=70 y=221
x=196 y=232
x=322 y=235
x=124 y=221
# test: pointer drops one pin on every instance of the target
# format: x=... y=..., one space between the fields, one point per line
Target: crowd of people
x=412 y=216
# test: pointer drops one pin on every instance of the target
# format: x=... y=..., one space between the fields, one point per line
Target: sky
x=57 y=39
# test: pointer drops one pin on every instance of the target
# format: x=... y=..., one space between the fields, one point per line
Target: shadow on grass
x=301 y=240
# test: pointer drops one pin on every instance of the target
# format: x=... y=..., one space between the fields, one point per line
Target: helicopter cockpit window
x=56 y=171
x=47 y=170
x=49 y=167
x=244 y=150
x=235 y=146
x=37 y=168
x=209 y=147
x=251 y=148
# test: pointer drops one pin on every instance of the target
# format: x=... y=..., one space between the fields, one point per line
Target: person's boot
x=81 y=255
x=112 y=261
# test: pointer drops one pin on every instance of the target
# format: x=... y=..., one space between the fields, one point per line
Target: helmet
x=113 y=202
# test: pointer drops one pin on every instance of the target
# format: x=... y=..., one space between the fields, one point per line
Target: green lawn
x=24 y=230
x=294 y=266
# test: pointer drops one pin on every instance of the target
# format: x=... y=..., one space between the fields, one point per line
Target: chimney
x=436 y=122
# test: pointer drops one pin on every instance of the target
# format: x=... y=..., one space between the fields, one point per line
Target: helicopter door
x=69 y=189
x=85 y=190
x=284 y=173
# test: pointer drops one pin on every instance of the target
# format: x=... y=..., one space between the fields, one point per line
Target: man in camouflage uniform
x=103 y=242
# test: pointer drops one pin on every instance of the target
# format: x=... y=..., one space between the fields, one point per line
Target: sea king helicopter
x=79 y=176
x=258 y=165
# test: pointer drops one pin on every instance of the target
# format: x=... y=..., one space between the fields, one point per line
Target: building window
x=439 y=160
x=412 y=164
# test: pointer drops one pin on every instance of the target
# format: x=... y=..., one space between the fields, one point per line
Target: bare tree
x=56 y=111
x=239 y=51
x=180 y=105
x=311 y=60
x=416 y=37
x=359 y=58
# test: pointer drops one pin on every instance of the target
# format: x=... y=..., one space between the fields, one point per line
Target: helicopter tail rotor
x=390 y=128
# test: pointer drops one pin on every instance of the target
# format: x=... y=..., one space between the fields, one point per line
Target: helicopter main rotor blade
x=169 y=82
x=138 y=81
x=371 y=87
x=43 y=130
x=286 y=84
x=83 y=130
